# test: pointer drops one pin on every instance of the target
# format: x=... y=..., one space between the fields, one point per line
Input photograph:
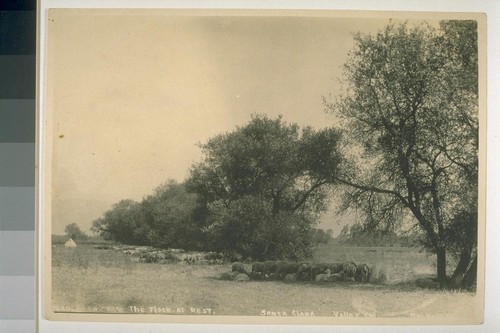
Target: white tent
x=70 y=243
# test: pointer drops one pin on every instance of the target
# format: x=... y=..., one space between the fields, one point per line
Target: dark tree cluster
x=167 y=218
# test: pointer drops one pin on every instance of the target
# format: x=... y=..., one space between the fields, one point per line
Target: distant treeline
x=170 y=218
x=61 y=239
x=357 y=235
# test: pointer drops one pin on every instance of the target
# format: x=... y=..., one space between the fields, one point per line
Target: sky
x=130 y=94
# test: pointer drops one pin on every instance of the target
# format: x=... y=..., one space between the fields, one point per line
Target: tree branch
x=318 y=184
x=373 y=189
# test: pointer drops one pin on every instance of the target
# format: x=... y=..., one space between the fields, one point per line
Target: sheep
x=318 y=269
x=269 y=269
x=238 y=267
x=363 y=273
x=241 y=277
x=257 y=270
x=334 y=277
x=304 y=271
x=324 y=277
x=291 y=277
x=349 y=271
x=284 y=268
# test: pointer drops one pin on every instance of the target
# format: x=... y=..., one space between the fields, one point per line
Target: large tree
x=263 y=186
x=410 y=110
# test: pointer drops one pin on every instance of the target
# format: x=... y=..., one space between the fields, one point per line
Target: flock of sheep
x=150 y=254
x=267 y=270
x=290 y=271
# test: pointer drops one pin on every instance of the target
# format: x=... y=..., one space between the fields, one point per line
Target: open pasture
x=400 y=265
x=88 y=280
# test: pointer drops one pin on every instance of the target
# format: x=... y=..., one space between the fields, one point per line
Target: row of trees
x=358 y=235
x=167 y=218
x=258 y=193
x=405 y=149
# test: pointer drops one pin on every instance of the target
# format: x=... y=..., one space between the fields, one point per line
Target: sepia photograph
x=260 y=166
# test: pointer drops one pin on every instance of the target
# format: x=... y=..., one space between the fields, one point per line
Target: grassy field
x=88 y=280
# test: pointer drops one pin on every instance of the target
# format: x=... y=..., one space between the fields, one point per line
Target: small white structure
x=70 y=243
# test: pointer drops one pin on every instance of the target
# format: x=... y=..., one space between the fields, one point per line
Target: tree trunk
x=441 y=267
x=458 y=274
x=470 y=279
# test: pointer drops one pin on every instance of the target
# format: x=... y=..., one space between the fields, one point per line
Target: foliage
x=247 y=226
x=264 y=185
x=73 y=231
x=358 y=235
x=411 y=107
x=123 y=223
x=170 y=212
x=164 y=219
x=319 y=236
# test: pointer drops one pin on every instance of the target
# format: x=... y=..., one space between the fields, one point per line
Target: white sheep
x=324 y=277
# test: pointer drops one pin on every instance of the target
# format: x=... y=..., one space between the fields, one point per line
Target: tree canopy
x=164 y=219
x=410 y=111
x=73 y=231
x=264 y=185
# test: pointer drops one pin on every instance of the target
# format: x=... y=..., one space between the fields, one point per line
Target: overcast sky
x=132 y=93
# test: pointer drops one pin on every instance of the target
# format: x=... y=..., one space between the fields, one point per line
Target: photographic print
x=258 y=166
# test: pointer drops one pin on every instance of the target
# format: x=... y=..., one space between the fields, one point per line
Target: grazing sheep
x=238 y=267
x=269 y=269
x=363 y=273
x=320 y=277
x=141 y=249
x=318 y=269
x=257 y=271
x=349 y=271
x=336 y=277
x=323 y=277
x=304 y=271
x=241 y=277
x=291 y=277
x=285 y=268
